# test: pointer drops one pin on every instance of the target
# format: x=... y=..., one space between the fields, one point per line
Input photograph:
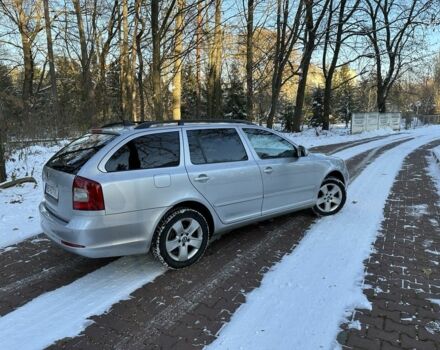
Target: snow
x=305 y=297
x=65 y=312
x=19 y=215
x=19 y=205
x=336 y=134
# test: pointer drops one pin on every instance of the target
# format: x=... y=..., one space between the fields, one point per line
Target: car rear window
x=215 y=146
x=71 y=158
x=147 y=152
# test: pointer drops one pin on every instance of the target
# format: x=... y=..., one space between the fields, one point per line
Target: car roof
x=125 y=127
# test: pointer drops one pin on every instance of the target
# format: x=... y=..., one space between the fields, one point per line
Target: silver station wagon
x=168 y=187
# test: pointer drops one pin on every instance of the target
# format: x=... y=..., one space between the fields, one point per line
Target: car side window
x=215 y=146
x=269 y=145
x=147 y=152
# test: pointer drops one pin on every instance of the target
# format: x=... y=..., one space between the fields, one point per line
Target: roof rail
x=146 y=125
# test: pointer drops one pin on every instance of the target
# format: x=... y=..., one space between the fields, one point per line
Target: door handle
x=268 y=170
x=201 y=178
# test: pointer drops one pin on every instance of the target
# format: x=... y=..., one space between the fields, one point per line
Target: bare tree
x=395 y=32
x=52 y=73
x=178 y=48
x=250 y=59
x=314 y=14
x=88 y=92
x=111 y=30
x=199 y=25
x=215 y=66
x=336 y=33
x=140 y=58
x=27 y=17
x=287 y=35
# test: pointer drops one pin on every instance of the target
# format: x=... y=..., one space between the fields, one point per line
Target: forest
x=68 y=65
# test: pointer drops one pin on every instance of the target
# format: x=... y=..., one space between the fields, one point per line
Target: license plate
x=52 y=191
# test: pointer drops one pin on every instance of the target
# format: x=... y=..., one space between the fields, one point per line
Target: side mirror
x=302 y=151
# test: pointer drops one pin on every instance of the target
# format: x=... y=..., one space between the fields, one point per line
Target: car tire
x=331 y=197
x=181 y=238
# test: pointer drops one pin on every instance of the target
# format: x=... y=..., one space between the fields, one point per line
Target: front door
x=289 y=181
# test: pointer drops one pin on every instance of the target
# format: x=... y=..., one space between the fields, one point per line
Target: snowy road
x=309 y=292
x=150 y=307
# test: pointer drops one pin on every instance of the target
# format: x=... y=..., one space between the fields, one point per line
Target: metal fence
x=373 y=121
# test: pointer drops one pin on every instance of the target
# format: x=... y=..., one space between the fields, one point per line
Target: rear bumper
x=102 y=235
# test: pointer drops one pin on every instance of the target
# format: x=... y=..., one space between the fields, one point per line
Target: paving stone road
x=402 y=279
x=185 y=309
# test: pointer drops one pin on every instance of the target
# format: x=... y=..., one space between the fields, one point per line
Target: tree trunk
x=300 y=95
x=28 y=80
x=156 y=66
x=2 y=150
x=381 y=99
x=198 y=59
x=214 y=79
x=126 y=93
x=132 y=65
x=87 y=87
x=276 y=88
x=305 y=64
x=327 y=102
x=52 y=73
x=249 y=61
x=177 y=79
x=103 y=59
x=28 y=60
x=141 y=64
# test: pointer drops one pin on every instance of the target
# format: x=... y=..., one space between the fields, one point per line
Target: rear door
x=60 y=170
x=289 y=181
x=143 y=172
x=221 y=168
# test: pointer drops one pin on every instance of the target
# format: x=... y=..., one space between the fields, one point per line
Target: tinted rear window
x=215 y=146
x=71 y=158
x=147 y=152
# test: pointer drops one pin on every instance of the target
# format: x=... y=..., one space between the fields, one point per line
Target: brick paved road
x=181 y=309
x=403 y=273
x=185 y=309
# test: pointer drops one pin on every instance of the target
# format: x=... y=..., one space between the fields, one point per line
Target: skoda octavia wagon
x=168 y=187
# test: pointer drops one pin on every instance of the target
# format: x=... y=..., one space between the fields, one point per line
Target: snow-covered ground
x=337 y=134
x=19 y=215
x=305 y=297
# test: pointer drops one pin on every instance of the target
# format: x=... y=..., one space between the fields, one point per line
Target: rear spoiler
x=104 y=131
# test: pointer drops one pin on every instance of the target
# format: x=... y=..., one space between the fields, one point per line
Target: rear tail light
x=87 y=194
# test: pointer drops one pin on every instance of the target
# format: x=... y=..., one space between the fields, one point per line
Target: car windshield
x=71 y=158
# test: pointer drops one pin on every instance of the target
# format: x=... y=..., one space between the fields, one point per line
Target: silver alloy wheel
x=329 y=197
x=184 y=239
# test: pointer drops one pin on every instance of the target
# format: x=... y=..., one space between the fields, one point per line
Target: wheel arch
x=336 y=174
x=200 y=207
